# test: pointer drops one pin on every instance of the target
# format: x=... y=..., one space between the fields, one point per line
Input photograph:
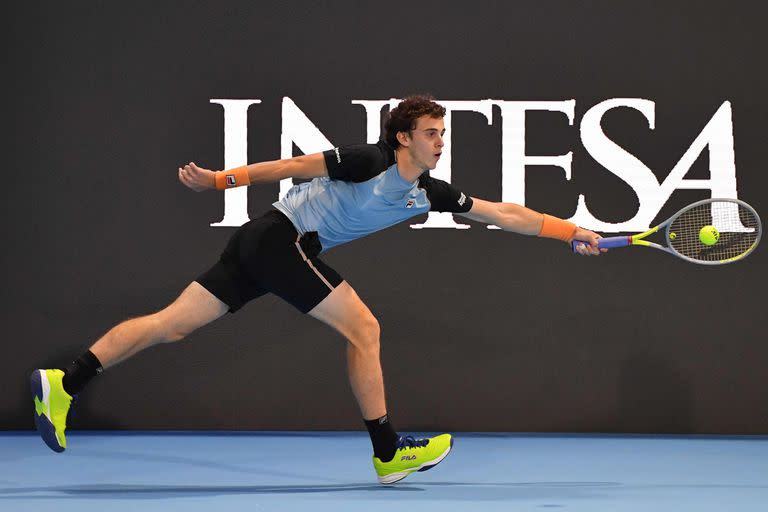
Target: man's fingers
x=588 y=249
x=193 y=172
x=185 y=179
x=588 y=244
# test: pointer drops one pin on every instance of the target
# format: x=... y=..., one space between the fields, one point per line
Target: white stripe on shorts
x=304 y=256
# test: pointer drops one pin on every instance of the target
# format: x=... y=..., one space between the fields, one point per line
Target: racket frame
x=639 y=238
x=668 y=225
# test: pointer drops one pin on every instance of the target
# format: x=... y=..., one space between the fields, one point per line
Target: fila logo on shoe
x=410 y=203
x=407 y=457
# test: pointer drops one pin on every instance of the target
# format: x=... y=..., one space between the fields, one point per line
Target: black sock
x=77 y=375
x=383 y=437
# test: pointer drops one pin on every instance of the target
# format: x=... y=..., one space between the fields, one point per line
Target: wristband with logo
x=237 y=177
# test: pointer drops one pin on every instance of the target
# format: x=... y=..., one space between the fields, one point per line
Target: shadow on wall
x=654 y=397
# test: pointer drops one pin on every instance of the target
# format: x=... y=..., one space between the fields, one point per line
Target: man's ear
x=403 y=138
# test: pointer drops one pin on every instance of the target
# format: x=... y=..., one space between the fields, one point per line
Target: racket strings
x=738 y=228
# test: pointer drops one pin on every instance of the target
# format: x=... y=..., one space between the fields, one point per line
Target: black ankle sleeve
x=82 y=370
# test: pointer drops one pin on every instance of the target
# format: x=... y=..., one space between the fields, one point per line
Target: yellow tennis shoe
x=51 y=407
x=413 y=455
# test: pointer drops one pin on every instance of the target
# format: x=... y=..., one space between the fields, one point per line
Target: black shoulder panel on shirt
x=358 y=162
x=444 y=197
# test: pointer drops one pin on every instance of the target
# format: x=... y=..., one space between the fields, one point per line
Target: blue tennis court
x=332 y=472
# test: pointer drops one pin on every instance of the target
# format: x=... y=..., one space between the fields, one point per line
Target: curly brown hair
x=403 y=117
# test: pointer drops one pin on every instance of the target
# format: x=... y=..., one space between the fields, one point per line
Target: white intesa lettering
x=513 y=157
x=235 y=155
x=299 y=130
x=717 y=134
x=373 y=118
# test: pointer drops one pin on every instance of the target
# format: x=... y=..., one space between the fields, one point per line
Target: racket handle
x=607 y=243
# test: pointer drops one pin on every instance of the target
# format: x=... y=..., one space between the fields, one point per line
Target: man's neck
x=408 y=170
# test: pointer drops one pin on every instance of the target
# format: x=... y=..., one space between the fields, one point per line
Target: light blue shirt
x=341 y=211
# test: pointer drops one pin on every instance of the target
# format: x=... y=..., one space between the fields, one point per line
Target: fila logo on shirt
x=338 y=155
x=462 y=199
x=411 y=202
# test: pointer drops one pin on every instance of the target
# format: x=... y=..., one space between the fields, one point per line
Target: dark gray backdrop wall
x=482 y=330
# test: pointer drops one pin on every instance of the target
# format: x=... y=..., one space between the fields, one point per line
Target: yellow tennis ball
x=672 y=235
x=709 y=235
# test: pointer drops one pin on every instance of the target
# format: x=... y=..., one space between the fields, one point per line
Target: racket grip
x=607 y=243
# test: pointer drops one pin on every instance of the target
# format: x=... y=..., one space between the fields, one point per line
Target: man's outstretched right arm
x=305 y=166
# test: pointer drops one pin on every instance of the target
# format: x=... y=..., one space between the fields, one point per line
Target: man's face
x=426 y=142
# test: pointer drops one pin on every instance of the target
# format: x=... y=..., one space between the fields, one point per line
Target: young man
x=354 y=191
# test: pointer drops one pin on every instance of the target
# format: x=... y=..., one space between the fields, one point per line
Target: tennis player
x=354 y=191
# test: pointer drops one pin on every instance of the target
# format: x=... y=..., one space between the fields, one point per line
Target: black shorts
x=266 y=255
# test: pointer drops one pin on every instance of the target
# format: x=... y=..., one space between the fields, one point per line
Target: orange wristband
x=552 y=227
x=237 y=177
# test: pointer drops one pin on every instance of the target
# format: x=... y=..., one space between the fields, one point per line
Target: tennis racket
x=709 y=232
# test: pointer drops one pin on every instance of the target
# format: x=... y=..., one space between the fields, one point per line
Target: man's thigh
x=343 y=310
x=194 y=308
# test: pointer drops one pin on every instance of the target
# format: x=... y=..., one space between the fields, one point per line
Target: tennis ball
x=672 y=235
x=709 y=235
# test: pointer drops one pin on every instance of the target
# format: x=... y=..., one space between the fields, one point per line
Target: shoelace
x=409 y=442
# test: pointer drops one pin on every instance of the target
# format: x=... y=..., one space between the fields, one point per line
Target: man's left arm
x=519 y=219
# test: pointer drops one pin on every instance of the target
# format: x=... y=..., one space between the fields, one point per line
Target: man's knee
x=194 y=308
x=170 y=328
x=366 y=333
x=164 y=330
x=175 y=335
